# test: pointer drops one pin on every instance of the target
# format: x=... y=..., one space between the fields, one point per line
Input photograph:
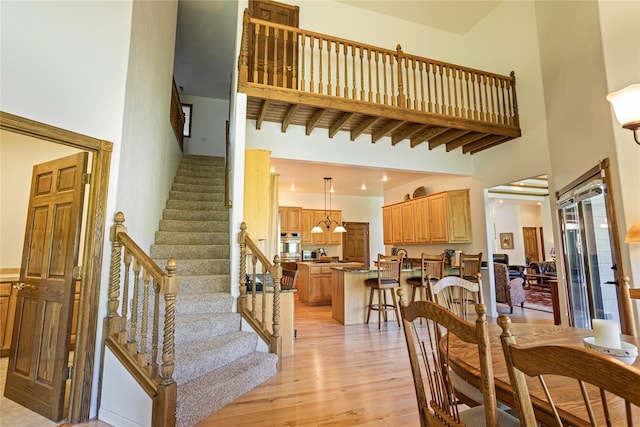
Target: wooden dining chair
x=427 y=329
x=388 y=279
x=595 y=374
x=470 y=266
x=459 y=296
x=431 y=270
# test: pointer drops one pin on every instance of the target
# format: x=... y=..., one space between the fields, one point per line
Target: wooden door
x=37 y=368
x=355 y=243
x=281 y=62
x=530 y=237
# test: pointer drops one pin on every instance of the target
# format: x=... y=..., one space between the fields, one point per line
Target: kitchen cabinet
x=387 y=234
x=437 y=218
x=421 y=216
x=310 y=217
x=290 y=219
x=306 y=216
x=315 y=281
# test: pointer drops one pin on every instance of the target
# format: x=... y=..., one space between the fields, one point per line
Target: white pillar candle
x=606 y=333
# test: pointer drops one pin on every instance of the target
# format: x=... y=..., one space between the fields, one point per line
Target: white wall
x=208 y=126
x=150 y=153
x=18 y=155
x=620 y=21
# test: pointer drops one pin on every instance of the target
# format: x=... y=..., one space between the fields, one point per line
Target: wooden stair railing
x=247 y=303
x=176 y=116
x=127 y=334
x=295 y=76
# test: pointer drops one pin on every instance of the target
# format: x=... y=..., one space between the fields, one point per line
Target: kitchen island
x=351 y=295
x=314 y=281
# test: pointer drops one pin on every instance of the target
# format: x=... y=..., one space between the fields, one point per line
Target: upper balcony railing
x=423 y=98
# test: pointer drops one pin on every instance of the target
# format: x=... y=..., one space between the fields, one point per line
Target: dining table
x=463 y=359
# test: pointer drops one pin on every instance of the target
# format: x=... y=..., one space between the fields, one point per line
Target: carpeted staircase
x=215 y=362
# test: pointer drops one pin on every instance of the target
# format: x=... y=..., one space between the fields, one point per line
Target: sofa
x=508 y=291
x=546 y=268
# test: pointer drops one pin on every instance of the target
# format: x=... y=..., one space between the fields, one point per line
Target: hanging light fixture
x=327 y=221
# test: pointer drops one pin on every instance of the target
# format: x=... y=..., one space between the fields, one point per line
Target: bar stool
x=432 y=270
x=388 y=279
x=470 y=266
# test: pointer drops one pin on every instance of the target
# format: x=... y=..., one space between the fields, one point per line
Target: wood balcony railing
x=298 y=77
x=253 y=309
x=134 y=342
x=176 y=116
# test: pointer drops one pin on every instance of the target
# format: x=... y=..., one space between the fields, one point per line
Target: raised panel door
x=331 y=237
x=438 y=218
x=387 y=226
x=408 y=228
x=421 y=218
x=284 y=223
x=459 y=216
x=319 y=238
x=306 y=216
x=396 y=223
x=294 y=221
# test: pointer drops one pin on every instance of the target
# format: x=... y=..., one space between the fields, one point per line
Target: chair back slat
x=456 y=294
x=599 y=379
x=389 y=268
x=470 y=266
x=428 y=327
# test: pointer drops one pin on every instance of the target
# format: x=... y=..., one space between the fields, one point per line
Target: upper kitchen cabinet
x=311 y=217
x=438 y=218
x=290 y=219
x=257 y=192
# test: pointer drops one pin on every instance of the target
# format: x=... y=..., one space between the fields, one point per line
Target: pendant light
x=327 y=221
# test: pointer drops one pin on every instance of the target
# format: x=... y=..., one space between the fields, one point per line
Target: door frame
x=602 y=170
x=86 y=329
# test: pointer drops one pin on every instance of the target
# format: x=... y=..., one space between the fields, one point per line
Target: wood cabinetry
x=290 y=218
x=315 y=281
x=310 y=217
x=387 y=226
x=438 y=218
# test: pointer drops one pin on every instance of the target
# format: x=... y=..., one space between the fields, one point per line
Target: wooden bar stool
x=470 y=266
x=388 y=279
x=432 y=270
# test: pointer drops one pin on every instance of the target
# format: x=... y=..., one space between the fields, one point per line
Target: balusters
x=346 y=68
x=311 y=49
x=154 y=334
x=285 y=66
x=338 y=68
x=264 y=297
x=170 y=288
x=329 y=81
x=353 y=73
x=254 y=261
x=133 y=326
x=303 y=78
x=415 y=84
x=275 y=75
x=125 y=290
x=384 y=76
x=265 y=64
x=370 y=99
x=456 y=106
x=144 y=328
x=421 y=79
x=377 y=77
x=320 y=56
x=361 y=74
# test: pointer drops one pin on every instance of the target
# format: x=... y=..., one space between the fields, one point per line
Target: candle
x=606 y=333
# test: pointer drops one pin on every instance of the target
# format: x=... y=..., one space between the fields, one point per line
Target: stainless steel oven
x=290 y=246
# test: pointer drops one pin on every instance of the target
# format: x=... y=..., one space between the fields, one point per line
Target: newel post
x=243 y=65
x=275 y=344
x=401 y=96
x=516 y=116
x=113 y=321
x=170 y=288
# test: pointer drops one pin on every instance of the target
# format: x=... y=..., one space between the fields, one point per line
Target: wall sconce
x=626 y=105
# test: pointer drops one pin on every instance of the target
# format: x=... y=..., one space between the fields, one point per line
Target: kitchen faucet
x=403 y=253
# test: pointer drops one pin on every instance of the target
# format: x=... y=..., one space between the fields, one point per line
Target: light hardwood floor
x=339 y=376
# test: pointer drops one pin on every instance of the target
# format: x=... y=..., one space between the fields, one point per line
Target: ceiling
x=205 y=59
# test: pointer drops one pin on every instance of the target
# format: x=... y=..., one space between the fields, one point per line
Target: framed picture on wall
x=506 y=240
x=187 y=110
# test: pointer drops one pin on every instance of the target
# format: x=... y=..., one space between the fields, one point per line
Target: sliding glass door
x=589 y=252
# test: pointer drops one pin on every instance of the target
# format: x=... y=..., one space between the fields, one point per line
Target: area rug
x=538 y=300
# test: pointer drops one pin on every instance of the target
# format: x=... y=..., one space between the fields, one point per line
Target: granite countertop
x=348 y=269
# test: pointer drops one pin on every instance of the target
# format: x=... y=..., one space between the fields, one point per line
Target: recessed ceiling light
x=501 y=201
x=364 y=187
x=293 y=187
x=384 y=178
x=272 y=170
x=332 y=190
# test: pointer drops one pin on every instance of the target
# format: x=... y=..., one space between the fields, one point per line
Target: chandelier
x=327 y=221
